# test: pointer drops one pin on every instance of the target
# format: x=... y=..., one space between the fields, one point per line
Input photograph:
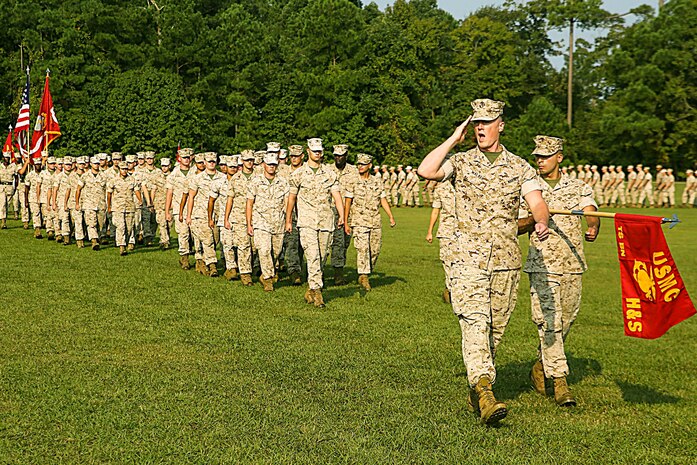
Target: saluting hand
x=461 y=131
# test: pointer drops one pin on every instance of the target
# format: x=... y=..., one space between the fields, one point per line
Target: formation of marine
x=263 y=210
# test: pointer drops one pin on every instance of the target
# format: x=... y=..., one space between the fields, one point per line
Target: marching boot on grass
x=295 y=278
x=364 y=282
x=562 y=393
x=317 y=298
x=267 y=283
x=25 y=225
x=95 y=244
x=3 y=224
x=184 y=262
x=309 y=296
x=491 y=411
x=59 y=238
x=473 y=402
x=212 y=270
x=37 y=233
x=537 y=376
x=246 y=279
x=50 y=235
x=66 y=240
x=80 y=244
x=130 y=247
x=122 y=250
x=231 y=274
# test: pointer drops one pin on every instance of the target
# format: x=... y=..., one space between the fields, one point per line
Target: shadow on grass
x=513 y=379
x=641 y=394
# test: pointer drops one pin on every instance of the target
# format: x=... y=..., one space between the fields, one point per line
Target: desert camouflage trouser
x=148 y=222
x=78 y=219
x=124 y=223
x=340 y=243
x=555 y=301
x=446 y=257
x=618 y=193
x=164 y=226
x=646 y=194
x=395 y=197
x=36 y=214
x=412 y=196
x=63 y=223
x=316 y=245
x=204 y=242
x=183 y=234
x=50 y=218
x=23 y=206
x=6 y=193
x=368 y=242
x=689 y=197
x=483 y=302
x=599 y=195
x=293 y=252
x=243 y=242
x=269 y=249
x=95 y=220
x=228 y=246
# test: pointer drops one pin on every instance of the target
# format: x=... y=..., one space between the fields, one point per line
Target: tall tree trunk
x=569 y=92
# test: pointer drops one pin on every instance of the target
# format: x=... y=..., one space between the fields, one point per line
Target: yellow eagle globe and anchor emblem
x=643 y=275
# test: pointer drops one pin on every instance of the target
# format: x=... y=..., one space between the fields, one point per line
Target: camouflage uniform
x=110 y=174
x=411 y=189
x=341 y=240
x=618 y=190
x=401 y=188
x=178 y=181
x=201 y=184
x=237 y=191
x=93 y=202
x=268 y=219
x=32 y=181
x=365 y=220
x=156 y=186
x=632 y=192
x=688 y=195
x=647 y=190
x=218 y=192
x=77 y=217
x=123 y=207
x=148 y=215
x=486 y=257
x=555 y=268
x=444 y=199
x=315 y=216
x=61 y=184
x=7 y=186
x=46 y=179
x=291 y=242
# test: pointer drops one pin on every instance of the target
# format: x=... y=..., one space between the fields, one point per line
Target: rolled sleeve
x=448 y=169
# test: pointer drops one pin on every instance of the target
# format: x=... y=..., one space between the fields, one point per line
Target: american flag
x=22 y=126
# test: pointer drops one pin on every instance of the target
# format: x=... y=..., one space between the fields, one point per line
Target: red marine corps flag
x=654 y=297
x=46 y=129
x=7 y=147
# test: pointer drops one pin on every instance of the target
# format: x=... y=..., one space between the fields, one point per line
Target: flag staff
x=673 y=220
x=29 y=126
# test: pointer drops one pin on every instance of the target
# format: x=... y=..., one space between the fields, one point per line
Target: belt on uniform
x=6 y=183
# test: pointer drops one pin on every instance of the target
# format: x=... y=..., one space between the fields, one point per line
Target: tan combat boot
x=267 y=283
x=122 y=250
x=37 y=233
x=562 y=393
x=95 y=244
x=491 y=411
x=80 y=244
x=537 y=376
x=184 y=262
x=295 y=278
x=50 y=235
x=212 y=270
x=230 y=274
x=309 y=296
x=317 y=297
x=246 y=279
x=59 y=238
x=339 y=276
x=363 y=281
x=66 y=240
x=25 y=225
x=3 y=224
x=197 y=266
x=131 y=247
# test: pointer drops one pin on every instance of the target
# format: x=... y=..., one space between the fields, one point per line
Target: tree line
x=226 y=75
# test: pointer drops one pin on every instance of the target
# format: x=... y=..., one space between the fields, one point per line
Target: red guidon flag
x=654 y=297
x=46 y=129
x=7 y=147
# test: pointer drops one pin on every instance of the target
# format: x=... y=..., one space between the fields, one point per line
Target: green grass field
x=105 y=359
